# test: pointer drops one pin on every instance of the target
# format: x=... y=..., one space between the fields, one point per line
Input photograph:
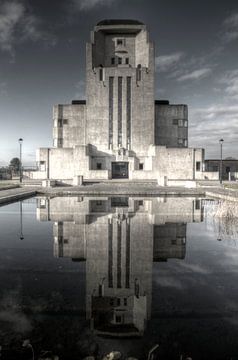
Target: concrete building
x=229 y=167
x=120 y=130
x=119 y=238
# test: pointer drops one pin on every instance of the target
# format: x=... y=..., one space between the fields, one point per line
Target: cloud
x=230 y=28
x=165 y=63
x=230 y=80
x=17 y=24
x=209 y=124
x=91 y=4
x=196 y=74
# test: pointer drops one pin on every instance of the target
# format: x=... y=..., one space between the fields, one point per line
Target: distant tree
x=15 y=164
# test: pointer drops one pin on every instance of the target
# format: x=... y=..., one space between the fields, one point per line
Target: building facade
x=120 y=130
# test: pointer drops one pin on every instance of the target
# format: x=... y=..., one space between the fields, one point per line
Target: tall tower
x=120 y=87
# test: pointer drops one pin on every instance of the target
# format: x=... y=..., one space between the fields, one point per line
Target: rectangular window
x=119 y=60
x=120 y=41
x=66 y=241
x=127 y=61
x=128 y=254
x=128 y=110
x=173 y=242
x=125 y=301
x=60 y=142
x=197 y=204
x=118 y=301
x=60 y=122
x=119 y=110
x=175 y=121
x=110 y=111
x=141 y=166
x=180 y=141
x=110 y=255
x=65 y=121
x=101 y=74
x=180 y=122
x=99 y=166
x=112 y=61
x=119 y=248
x=185 y=123
x=185 y=142
x=118 y=319
x=140 y=202
x=198 y=165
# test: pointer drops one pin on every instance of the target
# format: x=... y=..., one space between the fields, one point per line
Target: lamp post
x=20 y=143
x=221 y=142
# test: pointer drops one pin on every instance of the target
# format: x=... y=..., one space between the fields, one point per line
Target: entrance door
x=120 y=170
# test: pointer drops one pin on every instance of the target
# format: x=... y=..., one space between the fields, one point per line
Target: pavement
x=11 y=195
x=132 y=189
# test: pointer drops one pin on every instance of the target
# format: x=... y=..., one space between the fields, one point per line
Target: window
x=66 y=241
x=185 y=123
x=118 y=319
x=125 y=301
x=65 y=122
x=175 y=121
x=180 y=141
x=99 y=203
x=173 y=242
x=198 y=165
x=118 y=301
x=101 y=74
x=197 y=204
x=119 y=61
x=185 y=142
x=127 y=61
x=141 y=166
x=99 y=166
x=60 y=122
x=111 y=301
x=113 y=61
x=141 y=202
x=120 y=41
x=180 y=122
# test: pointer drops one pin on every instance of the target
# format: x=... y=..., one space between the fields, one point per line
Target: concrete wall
x=171 y=125
x=69 y=124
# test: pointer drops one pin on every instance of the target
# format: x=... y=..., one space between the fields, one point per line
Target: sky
x=42 y=63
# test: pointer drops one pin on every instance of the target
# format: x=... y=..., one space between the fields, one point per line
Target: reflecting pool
x=85 y=276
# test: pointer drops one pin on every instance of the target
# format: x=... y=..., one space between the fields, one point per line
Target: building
x=229 y=167
x=120 y=130
x=119 y=239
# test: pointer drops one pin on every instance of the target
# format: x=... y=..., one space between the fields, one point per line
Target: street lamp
x=221 y=142
x=20 y=143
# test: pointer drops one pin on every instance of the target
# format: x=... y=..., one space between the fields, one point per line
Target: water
x=80 y=276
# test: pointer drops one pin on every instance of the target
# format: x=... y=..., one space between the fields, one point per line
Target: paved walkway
x=121 y=189
x=11 y=195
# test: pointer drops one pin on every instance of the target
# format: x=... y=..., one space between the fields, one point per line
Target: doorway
x=119 y=170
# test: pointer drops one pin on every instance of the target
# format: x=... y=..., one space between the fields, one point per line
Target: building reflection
x=119 y=238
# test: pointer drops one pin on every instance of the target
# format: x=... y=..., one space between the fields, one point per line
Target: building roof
x=119 y=22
